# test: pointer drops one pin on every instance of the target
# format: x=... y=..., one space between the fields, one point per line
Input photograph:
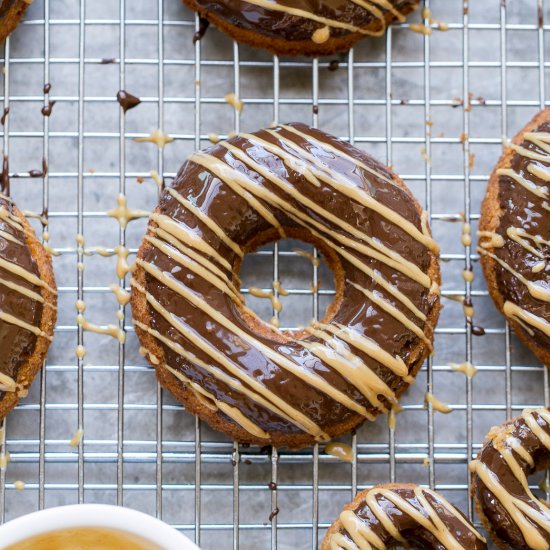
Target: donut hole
x=310 y=278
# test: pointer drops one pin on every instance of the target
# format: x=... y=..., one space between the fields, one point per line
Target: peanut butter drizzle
x=436 y=404
x=109 y=330
x=336 y=180
x=233 y=413
x=376 y=525
x=260 y=393
x=513 y=311
x=214 y=227
x=532 y=244
x=466 y=368
x=527 y=513
x=372 y=6
x=466 y=237
x=296 y=369
x=315 y=262
x=22 y=283
x=340 y=450
x=259 y=293
x=158 y=137
x=121 y=294
x=123 y=214
x=218 y=167
x=182 y=245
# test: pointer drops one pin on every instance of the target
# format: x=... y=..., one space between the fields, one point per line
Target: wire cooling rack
x=435 y=107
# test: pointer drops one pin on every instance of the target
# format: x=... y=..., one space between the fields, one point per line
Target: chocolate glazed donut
x=28 y=302
x=303 y=27
x=11 y=12
x=402 y=515
x=244 y=377
x=514 y=517
x=514 y=234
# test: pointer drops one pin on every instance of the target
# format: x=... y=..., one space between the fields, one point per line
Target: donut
x=245 y=378
x=512 y=452
x=11 y=12
x=406 y=515
x=28 y=303
x=306 y=27
x=514 y=230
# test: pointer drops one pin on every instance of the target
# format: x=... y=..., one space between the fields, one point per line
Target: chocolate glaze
x=242 y=224
x=16 y=343
x=416 y=535
x=520 y=208
x=276 y=24
x=503 y=525
x=127 y=101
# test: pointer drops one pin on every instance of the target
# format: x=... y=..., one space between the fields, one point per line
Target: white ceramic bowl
x=94 y=515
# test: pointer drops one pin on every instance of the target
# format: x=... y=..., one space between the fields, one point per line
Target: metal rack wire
x=390 y=96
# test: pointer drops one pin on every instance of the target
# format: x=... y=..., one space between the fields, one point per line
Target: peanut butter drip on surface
x=519 y=251
x=280 y=181
x=388 y=515
x=23 y=297
x=511 y=454
x=342 y=451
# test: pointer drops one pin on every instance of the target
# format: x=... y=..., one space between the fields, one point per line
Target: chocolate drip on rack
x=127 y=100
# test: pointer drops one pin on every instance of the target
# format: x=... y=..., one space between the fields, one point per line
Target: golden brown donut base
x=490 y=221
x=282 y=46
x=221 y=423
x=479 y=510
x=12 y=17
x=31 y=365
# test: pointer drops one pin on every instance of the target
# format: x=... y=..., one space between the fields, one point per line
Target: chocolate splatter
x=5 y=115
x=5 y=176
x=333 y=65
x=47 y=88
x=35 y=173
x=478 y=331
x=203 y=27
x=107 y=61
x=127 y=101
x=272 y=485
x=273 y=514
x=316 y=109
x=47 y=109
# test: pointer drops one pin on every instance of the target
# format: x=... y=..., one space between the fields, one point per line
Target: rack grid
x=425 y=104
